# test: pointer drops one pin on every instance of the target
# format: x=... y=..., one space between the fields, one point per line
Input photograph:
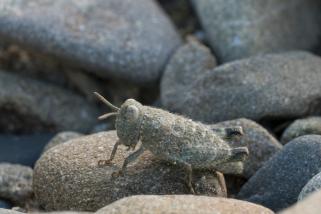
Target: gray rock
x=15 y=182
x=67 y=177
x=300 y=127
x=181 y=204
x=312 y=186
x=264 y=87
x=31 y=105
x=311 y=205
x=189 y=62
x=279 y=181
x=238 y=29
x=60 y=138
x=261 y=144
x=103 y=36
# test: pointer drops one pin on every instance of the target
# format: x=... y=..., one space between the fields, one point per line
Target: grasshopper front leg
x=113 y=153
x=132 y=157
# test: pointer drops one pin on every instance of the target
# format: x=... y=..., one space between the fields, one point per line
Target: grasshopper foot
x=102 y=163
x=117 y=174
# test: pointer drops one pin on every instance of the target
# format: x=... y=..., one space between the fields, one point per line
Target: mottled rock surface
x=30 y=105
x=238 y=29
x=15 y=182
x=300 y=127
x=260 y=88
x=181 y=204
x=67 y=177
x=261 y=144
x=312 y=186
x=103 y=36
x=60 y=138
x=278 y=183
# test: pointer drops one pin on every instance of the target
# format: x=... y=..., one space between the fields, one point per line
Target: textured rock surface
x=67 y=177
x=60 y=138
x=31 y=105
x=102 y=36
x=261 y=144
x=181 y=204
x=238 y=29
x=312 y=186
x=310 y=205
x=265 y=87
x=15 y=182
x=279 y=182
x=310 y=125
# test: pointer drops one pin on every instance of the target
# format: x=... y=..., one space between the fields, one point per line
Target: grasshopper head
x=128 y=120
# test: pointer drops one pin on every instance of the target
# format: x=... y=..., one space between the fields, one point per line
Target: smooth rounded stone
x=264 y=87
x=300 y=127
x=310 y=205
x=5 y=204
x=277 y=184
x=67 y=177
x=15 y=182
x=239 y=29
x=312 y=186
x=30 y=105
x=102 y=36
x=181 y=204
x=60 y=138
x=261 y=144
x=190 y=61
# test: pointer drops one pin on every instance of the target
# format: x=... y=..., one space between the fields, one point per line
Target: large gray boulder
x=263 y=87
x=238 y=29
x=120 y=39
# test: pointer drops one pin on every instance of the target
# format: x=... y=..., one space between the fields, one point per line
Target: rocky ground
x=252 y=64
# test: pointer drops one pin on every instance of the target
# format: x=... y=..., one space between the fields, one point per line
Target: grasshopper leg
x=113 y=153
x=221 y=181
x=189 y=171
x=132 y=157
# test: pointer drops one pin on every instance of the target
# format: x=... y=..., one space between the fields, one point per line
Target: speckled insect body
x=172 y=138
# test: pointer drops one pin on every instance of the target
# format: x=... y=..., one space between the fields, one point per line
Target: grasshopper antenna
x=105 y=116
x=106 y=102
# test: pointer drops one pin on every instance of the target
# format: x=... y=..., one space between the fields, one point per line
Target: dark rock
x=28 y=105
x=102 y=36
x=312 y=186
x=22 y=149
x=310 y=125
x=279 y=181
x=260 y=88
x=238 y=29
x=181 y=204
x=67 y=177
x=5 y=204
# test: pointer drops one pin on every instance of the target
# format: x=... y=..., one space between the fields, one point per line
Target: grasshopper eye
x=132 y=113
